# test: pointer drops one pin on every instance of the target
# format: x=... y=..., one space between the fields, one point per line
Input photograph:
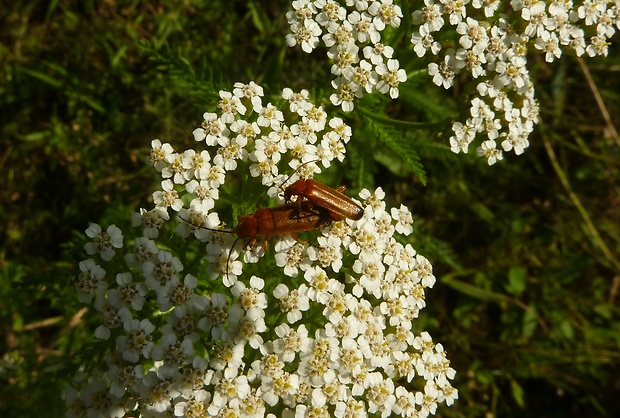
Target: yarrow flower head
x=200 y=323
x=350 y=31
x=484 y=44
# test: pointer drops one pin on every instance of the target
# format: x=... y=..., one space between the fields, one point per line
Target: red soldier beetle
x=278 y=220
x=318 y=195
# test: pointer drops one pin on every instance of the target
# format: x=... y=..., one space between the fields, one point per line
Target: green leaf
x=474 y=291
x=46 y=78
x=530 y=321
x=517 y=393
x=517 y=281
x=567 y=329
x=408 y=153
x=396 y=141
x=258 y=16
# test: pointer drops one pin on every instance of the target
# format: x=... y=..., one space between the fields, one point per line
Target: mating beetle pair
x=317 y=205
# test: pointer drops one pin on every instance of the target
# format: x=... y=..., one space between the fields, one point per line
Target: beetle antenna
x=229 y=254
x=226 y=231
x=217 y=230
x=297 y=169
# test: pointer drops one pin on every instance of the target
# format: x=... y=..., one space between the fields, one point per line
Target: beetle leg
x=299 y=240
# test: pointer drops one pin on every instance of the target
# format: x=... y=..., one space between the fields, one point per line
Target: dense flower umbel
x=321 y=328
x=485 y=43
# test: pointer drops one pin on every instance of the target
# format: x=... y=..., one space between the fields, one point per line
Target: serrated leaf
x=404 y=148
x=408 y=154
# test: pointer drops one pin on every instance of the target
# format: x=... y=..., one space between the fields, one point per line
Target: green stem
x=398 y=123
x=594 y=235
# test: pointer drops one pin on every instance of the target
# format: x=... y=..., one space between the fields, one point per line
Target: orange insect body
x=280 y=220
x=335 y=202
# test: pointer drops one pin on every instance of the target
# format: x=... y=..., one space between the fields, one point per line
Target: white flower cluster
x=504 y=110
x=328 y=333
x=492 y=41
x=345 y=33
